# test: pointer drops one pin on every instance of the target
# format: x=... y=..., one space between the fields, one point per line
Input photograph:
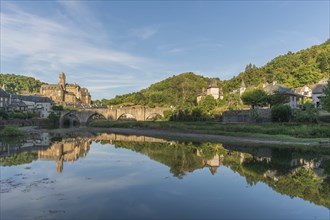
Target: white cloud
x=46 y=45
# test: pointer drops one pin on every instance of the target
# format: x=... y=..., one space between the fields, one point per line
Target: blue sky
x=114 y=47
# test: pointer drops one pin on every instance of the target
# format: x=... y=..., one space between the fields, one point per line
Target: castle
x=66 y=94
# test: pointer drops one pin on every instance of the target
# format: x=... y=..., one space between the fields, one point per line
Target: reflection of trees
x=19 y=158
x=180 y=157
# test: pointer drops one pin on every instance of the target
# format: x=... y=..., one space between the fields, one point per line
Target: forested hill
x=20 y=84
x=305 y=67
x=176 y=90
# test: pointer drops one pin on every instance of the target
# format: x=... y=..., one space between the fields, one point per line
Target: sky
x=118 y=47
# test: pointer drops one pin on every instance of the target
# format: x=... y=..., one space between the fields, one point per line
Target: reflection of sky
x=118 y=183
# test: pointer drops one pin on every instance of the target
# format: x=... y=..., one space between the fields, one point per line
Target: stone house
x=294 y=100
x=16 y=104
x=39 y=104
x=241 y=89
x=305 y=91
x=212 y=90
x=317 y=92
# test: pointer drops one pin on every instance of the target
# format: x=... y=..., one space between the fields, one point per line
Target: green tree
x=54 y=119
x=254 y=97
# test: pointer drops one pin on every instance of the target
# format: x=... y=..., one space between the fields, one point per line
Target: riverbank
x=187 y=135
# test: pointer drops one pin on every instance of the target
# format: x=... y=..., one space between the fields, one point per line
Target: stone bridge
x=84 y=116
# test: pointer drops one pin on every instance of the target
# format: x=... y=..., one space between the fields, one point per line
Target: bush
x=309 y=114
x=324 y=118
x=3 y=114
x=281 y=113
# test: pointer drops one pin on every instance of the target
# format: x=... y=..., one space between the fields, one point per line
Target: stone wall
x=247 y=116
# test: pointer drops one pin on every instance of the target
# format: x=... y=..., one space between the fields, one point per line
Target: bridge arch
x=69 y=120
x=154 y=116
x=126 y=117
x=95 y=117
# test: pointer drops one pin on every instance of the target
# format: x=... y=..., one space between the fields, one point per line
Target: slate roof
x=31 y=98
x=3 y=93
x=277 y=88
x=318 y=88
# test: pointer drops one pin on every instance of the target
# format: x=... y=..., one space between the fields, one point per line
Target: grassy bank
x=283 y=131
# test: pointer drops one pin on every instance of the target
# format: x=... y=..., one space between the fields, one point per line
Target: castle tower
x=62 y=80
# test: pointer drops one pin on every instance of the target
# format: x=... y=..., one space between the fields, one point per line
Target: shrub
x=324 y=118
x=281 y=113
x=308 y=114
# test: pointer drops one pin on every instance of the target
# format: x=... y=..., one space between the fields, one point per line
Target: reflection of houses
x=293 y=99
x=65 y=151
x=212 y=163
x=212 y=90
x=318 y=93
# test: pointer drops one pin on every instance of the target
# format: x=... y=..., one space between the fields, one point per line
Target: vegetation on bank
x=296 y=130
x=18 y=159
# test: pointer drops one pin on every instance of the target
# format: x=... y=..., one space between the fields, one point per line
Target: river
x=112 y=176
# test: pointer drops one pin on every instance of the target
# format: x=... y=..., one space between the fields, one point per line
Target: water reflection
x=297 y=173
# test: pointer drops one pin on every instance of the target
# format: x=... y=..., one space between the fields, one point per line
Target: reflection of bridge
x=84 y=116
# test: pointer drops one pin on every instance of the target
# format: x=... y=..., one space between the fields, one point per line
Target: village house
x=294 y=100
x=39 y=104
x=305 y=91
x=212 y=90
x=317 y=92
x=241 y=89
x=16 y=104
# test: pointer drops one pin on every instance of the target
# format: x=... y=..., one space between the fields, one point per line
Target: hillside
x=305 y=67
x=176 y=90
x=20 y=84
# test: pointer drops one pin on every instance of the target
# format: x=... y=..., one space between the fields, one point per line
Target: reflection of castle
x=70 y=150
x=67 y=94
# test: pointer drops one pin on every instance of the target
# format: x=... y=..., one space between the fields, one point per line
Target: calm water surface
x=115 y=176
